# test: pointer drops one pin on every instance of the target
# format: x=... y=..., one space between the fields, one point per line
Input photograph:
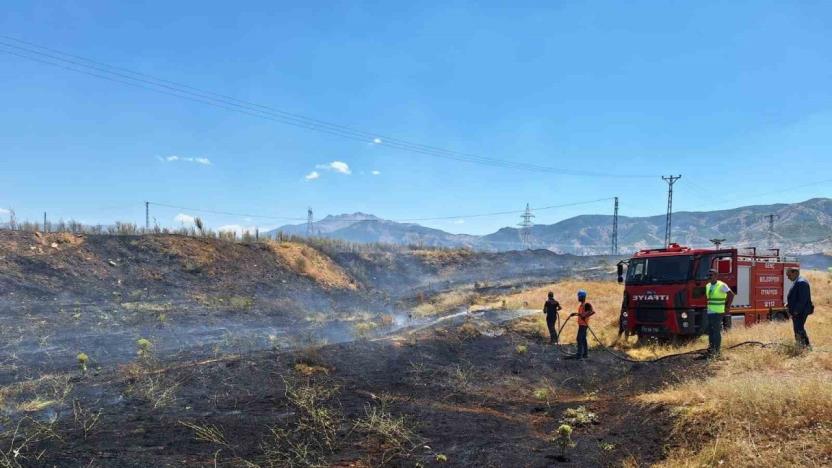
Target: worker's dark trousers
x=799 y=324
x=714 y=333
x=583 y=346
x=551 y=319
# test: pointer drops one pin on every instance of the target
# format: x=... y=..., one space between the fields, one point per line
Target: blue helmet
x=581 y=294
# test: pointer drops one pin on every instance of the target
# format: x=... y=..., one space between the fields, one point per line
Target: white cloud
x=336 y=166
x=4 y=211
x=459 y=221
x=375 y=172
x=184 y=219
x=174 y=158
x=377 y=141
x=312 y=175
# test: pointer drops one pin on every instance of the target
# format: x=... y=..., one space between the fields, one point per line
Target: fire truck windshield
x=659 y=269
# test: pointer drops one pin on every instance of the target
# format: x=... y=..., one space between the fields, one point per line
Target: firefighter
x=800 y=306
x=720 y=298
x=551 y=308
x=584 y=312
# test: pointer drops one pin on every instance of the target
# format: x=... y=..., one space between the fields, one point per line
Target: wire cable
x=498 y=213
x=227 y=213
x=125 y=76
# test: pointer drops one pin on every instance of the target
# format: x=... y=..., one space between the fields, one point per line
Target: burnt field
x=468 y=392
x=61 y=294
x=181 y=351
x=129 y=337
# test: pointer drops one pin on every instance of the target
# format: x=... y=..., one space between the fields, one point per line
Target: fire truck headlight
x=684 y=315
x=624 y=314
x=684 y=324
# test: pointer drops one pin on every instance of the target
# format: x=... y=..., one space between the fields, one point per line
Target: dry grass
x=605 y=297
x=444 y=302
x=307 y=261
x=762 y=407
x=192 y=253
x=443 y=257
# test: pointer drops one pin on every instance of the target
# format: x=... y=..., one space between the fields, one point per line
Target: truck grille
x=651 y=312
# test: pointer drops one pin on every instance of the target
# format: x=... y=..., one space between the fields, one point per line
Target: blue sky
x=733 y=95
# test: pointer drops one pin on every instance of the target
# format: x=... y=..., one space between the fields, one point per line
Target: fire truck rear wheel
x=779 y=317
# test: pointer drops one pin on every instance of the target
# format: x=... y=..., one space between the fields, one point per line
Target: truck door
x=743 y=293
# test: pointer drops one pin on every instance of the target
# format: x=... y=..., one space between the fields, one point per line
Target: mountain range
x=799 y=228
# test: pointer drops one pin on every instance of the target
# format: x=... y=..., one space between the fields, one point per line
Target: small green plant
x=82 y=361
x=241 y=302
x=144 y=348
x=541 y=394
x=391 y=434
x=521 y=349
x=563 y=439
x=441 y=458
x=363 y=330
x=579 y=416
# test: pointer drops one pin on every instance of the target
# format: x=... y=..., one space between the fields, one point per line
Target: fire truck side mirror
x=620 y=273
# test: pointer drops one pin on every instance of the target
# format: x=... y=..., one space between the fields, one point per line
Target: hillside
x=800 y=228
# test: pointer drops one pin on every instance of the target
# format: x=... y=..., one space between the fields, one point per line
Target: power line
x=526 y=226
x=781 y=190
x=101 y=70
x=771 y=218
x=615 y=228
x=284 y=218
x=498 y=213
x=670 y=181
x=227 y=213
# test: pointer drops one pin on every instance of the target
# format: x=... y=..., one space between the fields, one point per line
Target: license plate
x=650 y=329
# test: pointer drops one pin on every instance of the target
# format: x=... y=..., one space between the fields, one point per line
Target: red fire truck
x=664 y=292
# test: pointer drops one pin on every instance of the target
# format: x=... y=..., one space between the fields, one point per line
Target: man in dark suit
x=800 y=306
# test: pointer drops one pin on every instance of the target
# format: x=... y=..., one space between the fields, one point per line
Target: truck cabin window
x=659 y=270
x=722 y=262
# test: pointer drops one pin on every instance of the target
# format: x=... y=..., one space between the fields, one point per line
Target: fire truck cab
x=664 y=289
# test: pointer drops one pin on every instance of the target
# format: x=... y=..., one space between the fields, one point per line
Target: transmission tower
x=717 y=242
x=310 y=228
x=525 y=227
x=771 y=218
x=615 y=228
x=670 y=181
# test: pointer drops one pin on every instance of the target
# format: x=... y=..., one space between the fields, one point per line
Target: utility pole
x=525 y=227
x=771 y=218
x=615 y=229
x=670 y=181
x=310 y=228
x=147 y=215
x=717 y=242
x=44 y=223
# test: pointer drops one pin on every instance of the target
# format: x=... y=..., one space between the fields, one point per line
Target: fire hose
x=627 y=359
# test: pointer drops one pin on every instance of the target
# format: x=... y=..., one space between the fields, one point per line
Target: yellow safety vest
x=716 y=297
